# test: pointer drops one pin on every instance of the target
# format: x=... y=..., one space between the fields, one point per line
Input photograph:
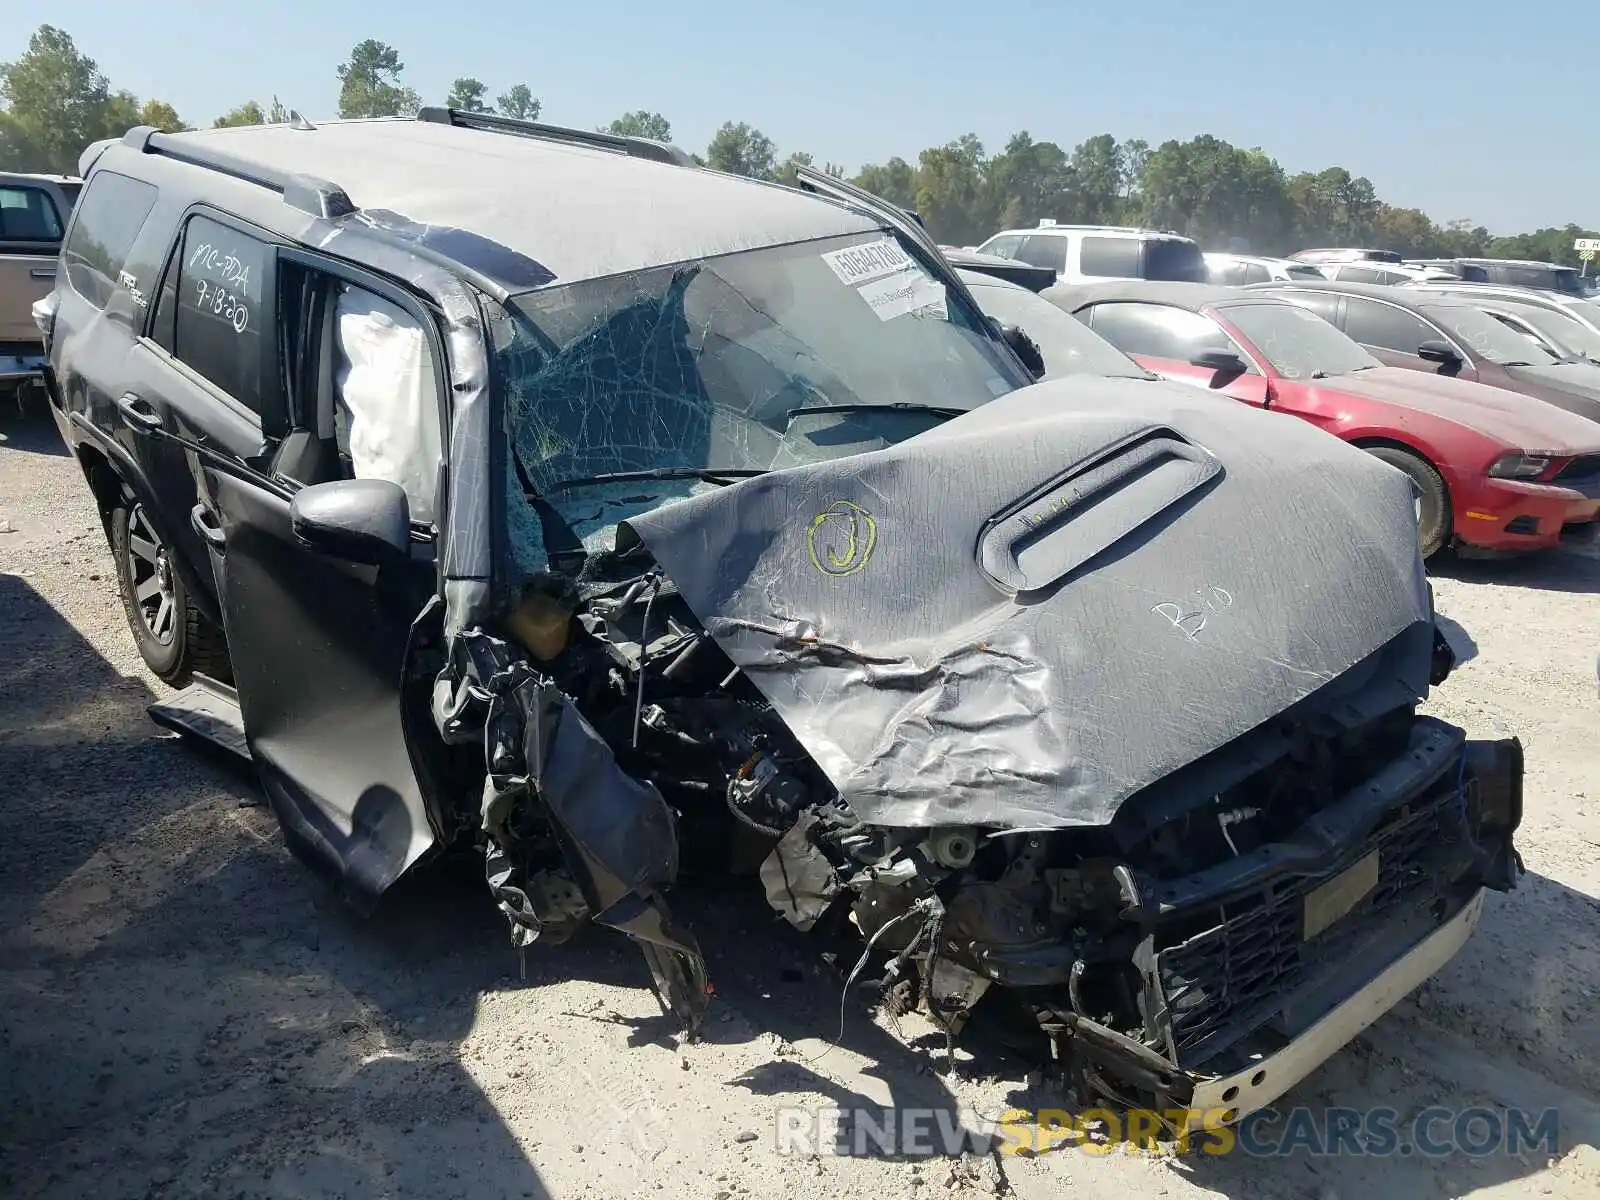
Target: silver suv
x=1081 y=253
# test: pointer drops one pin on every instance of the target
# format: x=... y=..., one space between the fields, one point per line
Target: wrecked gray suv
x=496 y=486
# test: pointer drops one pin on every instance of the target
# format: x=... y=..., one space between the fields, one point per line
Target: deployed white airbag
x=388 y=396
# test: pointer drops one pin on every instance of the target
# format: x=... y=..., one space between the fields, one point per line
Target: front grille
x=1581 y=467
x=1226 y=982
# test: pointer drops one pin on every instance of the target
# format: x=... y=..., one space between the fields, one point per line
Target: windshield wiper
x=723 y=475
x=897 y=406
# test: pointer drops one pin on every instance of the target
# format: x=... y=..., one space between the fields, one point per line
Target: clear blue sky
x=1463 y=109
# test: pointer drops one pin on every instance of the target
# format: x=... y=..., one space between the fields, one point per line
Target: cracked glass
x=720 y=364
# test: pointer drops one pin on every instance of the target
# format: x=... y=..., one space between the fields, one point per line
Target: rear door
x=1166 y=340
x=243 y=367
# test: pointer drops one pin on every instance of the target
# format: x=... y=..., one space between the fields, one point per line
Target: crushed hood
x=1524 y=422
x=1024 y=616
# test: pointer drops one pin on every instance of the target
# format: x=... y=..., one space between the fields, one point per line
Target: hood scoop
x=1022 y=617
x=1090 y=507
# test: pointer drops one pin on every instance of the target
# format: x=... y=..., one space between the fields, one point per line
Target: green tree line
x=54 y=101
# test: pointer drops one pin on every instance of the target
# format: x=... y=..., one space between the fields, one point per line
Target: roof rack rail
x=307 y=193
x=633 y=147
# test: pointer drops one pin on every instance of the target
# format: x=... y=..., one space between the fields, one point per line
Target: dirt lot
x=184 y=1013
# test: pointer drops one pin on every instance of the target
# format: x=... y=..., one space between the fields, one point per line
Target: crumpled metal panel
x=616 y=833
x=1162 y=616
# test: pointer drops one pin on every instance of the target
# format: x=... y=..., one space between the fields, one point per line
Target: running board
x=207 y=710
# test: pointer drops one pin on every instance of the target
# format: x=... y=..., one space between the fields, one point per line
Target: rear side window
x=28 y=214
x=1157 y=330
x=1044 y=250
x=1112 y=258
x=1176 y=260
x=1384 y=326
x=1256 y=273
x=108 y=218
x=216 y=311
x=1473 y=274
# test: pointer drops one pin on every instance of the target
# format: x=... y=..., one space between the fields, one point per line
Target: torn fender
x=616 y=833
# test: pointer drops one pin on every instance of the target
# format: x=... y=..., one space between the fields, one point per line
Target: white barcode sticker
x=858 y=264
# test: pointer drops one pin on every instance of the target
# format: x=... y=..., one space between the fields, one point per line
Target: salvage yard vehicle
x=1585 y=311
x=1554 y=331
x=33 y=212
x=1385 y=273
x=1238 y=269
x=1063 y=345
x=1087 y=252
x=1537 y=276
x=1346 y=254
x=592 y=544
x=1451 y=336
x=1495 y=472
x=1026 y=275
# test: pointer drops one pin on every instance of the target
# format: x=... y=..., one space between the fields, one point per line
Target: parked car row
x=1090 y=253
x=1502 y=440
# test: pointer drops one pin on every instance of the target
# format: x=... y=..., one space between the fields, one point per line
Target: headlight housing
x=1520 y=465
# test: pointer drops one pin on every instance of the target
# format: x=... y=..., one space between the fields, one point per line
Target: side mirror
x=360 y=520
x=1219 y=360
x=1025 y=348
x=1434 y=350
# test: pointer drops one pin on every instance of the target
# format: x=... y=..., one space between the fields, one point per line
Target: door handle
x=200 y=518
x=137 y=413
x=41 y=273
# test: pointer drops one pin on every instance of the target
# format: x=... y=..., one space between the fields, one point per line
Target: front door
x=318 y=645
x=1392 y=335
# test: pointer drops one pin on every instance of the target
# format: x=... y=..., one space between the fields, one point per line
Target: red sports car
x=1496 y=471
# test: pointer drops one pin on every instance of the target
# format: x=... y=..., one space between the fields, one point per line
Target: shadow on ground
x=182 y=1008
x=1574 y=568
x=32 y=429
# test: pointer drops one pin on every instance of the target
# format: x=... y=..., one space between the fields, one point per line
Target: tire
x=172 y=636
x=1436 y=524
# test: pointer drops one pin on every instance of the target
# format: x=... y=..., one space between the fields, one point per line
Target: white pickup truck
x=33 y=217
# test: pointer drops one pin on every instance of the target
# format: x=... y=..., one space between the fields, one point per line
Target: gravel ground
x=184 y=1012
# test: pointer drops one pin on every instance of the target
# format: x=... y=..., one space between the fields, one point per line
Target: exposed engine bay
x=1156 y=840
x=1134 y=960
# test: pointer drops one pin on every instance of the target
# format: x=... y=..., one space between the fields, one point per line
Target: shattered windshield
x=1298 y=343
x=724 y=363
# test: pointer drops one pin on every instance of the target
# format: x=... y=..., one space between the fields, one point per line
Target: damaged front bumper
x=1309 y=940
x=1225 y=1099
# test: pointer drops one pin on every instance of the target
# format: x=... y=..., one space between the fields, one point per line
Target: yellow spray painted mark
x=841 y=538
